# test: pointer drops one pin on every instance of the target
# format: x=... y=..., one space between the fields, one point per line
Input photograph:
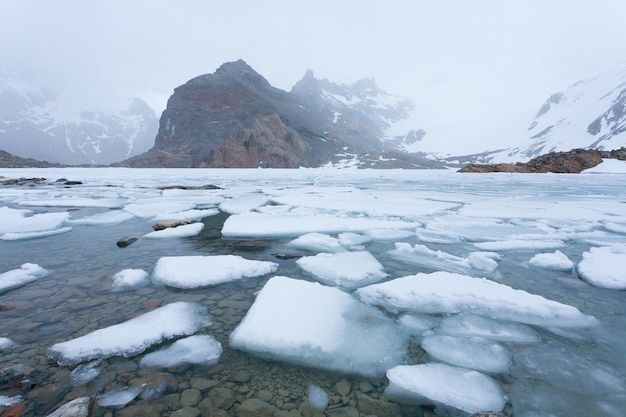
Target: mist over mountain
x=235 y=118
x=41 y=123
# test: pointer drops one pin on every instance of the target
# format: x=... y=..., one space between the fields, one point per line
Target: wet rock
x=342 y=412
x=169 y=224
x=365 y=387
x=79 y=407
x=487 y=414
x=138 y=410
x=342 y=387
x=241 y=375
x=190 y=397
x=190 y=187
x=252 y=245
x=73 y=182
x=253 y=407
x=186 y=412
x=368 y=405
x=47 y=396
x=125 y=241
x=16 y=376
x=264 y=395
x=203 y=384
x=221 y=398
x=15 y=410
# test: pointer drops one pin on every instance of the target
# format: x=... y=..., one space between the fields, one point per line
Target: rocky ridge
x=574 y=161
x=234 y=118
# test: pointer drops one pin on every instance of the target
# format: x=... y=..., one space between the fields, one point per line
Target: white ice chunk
x=349 y=270
x=16 y=278
x=318 y=398
x=468 y=352
x=202 y=271
x=389 y=234
x=608 y=166
x=317 y=242
x=36 y=223
x=198 y=350
x=615 y=227
x=130 y=278
x=6 y=343
x=253 y=224
x=108 y=218
x=605 y=267
x=186 y=230
x=422 y=255
x=195 y=214
x=521 y=244
x=460 y=388
x=468 y=324
x=85 y=373
x=416 y=324
x=133 y=336
x=556 y=261
x=238 y=205
x=75 y=202
x=6 y=401
x=353 y=240
x=120 y=397
x=318 y=326
x=436 y=236
x=155 y=207
x=34 y=235
x=444 y=292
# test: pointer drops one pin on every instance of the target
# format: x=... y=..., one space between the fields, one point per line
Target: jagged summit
x=235 y=118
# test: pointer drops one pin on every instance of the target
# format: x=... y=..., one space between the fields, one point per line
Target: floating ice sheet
x=185 y=230
x=468 y=352
x=119 y=398
x=468 y=324
x=241 y=204
x=158 y=207
x=416 y=324
x=318 y=326
x=133 y=336
x=18 y=277
x=477 y=262
x=202 y=271
x=198 y=350
x=605 y=267
x=317 y=242
x=34 y=235
x=521 y=244
x=16 y=221
x=432 y=383
x=85 y=373
x=107 y=218
x=195 y=214
x=444 y=292
x=349 y=270
x=75 y=202
x=130 y=278
x=556 y=261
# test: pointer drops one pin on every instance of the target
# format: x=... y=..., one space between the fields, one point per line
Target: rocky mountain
x=590 y=114
x=8 y=160
x=235 y=118
x=37 y=122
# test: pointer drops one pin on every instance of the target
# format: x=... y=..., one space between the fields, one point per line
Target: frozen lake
x=396 y=292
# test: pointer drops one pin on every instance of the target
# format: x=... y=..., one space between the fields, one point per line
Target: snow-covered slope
x=590 y=114
x=39 y=123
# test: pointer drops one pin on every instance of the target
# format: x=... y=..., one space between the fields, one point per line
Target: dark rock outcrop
x=571 y=162
x=8 y=160
x=234 y=118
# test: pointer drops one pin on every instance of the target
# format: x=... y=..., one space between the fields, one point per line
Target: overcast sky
x=485 y=65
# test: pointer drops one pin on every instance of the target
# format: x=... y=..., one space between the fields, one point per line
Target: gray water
x=76 y=298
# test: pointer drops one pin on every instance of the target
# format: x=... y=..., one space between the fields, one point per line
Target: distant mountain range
x=235 y=118
x=37 y=122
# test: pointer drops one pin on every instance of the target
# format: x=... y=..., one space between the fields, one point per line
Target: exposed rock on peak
x=235 y=118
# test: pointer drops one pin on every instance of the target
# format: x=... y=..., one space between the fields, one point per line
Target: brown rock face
x=574 y=161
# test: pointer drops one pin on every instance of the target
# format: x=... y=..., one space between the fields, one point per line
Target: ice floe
x=6 y=343
x=477 y=262
x=6 y=401
x=85 y=373
x=468 y=352
x=17 y=221
x=353 y=241
x=75 y=202
x=34 y=235
x=203 y=271
x=415 y=324
x=348 y=270
x=444 y=292
x=130 y=278
x=520 y=244
x=604 y=267
x=318 y=242
x=241 y=204
x=187 y=230
x=468 y=325
x=133 y=336
x=198 y=350
x=451 y=386
x=120 y=397
x=194 y=214
x=314 y=325
x=556 y=261
x=157 y=207
x=16 y=278
x=107 y=218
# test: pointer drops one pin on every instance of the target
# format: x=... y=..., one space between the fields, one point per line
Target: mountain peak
x=241 y=71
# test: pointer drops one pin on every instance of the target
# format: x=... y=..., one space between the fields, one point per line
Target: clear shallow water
x=76 y=297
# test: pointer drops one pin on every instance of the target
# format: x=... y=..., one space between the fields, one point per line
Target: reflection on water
x=76 y=298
